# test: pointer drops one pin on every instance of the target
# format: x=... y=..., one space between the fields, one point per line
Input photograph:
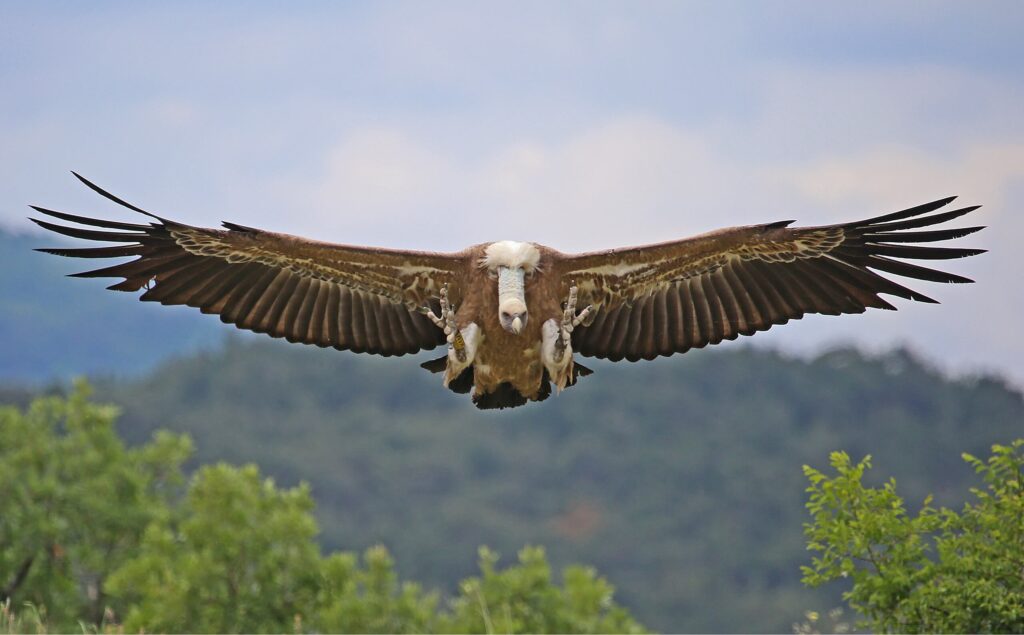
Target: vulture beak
x=517 y=325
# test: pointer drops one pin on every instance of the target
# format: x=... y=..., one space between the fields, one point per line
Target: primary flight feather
x=513 y=314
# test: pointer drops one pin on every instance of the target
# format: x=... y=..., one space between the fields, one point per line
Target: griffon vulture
x=513 y=314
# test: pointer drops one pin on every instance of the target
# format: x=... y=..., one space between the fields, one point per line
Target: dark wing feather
x=349 y=298
x=671 y=297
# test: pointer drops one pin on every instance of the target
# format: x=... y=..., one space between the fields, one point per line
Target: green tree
x=92 y=532
x=370 y=599
x=238 y=556
x=936 y=571
x=74 y=503
x=524 y=599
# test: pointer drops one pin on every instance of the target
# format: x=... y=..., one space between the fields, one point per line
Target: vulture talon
x=446 y=320
x=570 y=320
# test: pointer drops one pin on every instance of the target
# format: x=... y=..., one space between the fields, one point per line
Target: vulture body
x=512 y=314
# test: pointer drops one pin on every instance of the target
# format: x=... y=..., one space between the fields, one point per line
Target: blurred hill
x=49 y=324
x=679 y=479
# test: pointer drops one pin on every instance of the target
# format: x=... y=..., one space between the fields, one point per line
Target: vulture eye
x=505 y=315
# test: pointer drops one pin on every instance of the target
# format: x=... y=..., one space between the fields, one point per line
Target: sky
x=580 y=125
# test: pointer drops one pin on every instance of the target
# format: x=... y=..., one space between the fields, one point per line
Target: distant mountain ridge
x=52 y=327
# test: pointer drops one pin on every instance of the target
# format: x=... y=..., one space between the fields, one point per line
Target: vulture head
x=511 y=262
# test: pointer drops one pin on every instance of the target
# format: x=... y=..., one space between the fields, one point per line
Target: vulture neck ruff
x=511 y=254
x=511 y=261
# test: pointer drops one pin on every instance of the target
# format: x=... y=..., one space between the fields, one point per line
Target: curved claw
x=570 y=320
x=446 y=320
x=582 y=316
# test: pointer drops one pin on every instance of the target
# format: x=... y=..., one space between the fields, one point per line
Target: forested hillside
x=679 y=479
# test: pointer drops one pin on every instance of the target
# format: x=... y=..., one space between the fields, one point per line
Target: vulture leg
x=570 y=320
x=461 y=351
x=556 y=343
x=462 y=343
x=445 y=321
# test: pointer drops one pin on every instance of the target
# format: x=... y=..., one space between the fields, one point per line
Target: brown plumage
x=642 y=301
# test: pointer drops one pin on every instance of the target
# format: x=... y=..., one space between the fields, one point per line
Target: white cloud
x=383 y=171
x=982 y=172
x=627 y=179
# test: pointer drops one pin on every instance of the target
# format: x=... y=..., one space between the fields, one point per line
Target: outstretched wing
x=671 y=297
x=355 y=298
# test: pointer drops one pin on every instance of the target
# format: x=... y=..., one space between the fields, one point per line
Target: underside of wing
x=350 y=298
x=668 y=298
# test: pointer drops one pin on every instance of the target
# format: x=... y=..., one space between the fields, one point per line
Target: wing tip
x=53 y=251
x=99 y=190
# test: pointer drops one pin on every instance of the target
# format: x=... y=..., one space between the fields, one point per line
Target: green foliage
x=240 y=557
x=936 y=571
x=92 y=533
x=237 y=556
x=523 y=599
x=678 y=479
x=370 y=599
x=28 y=618
x=75 y=502
x=12 y=621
